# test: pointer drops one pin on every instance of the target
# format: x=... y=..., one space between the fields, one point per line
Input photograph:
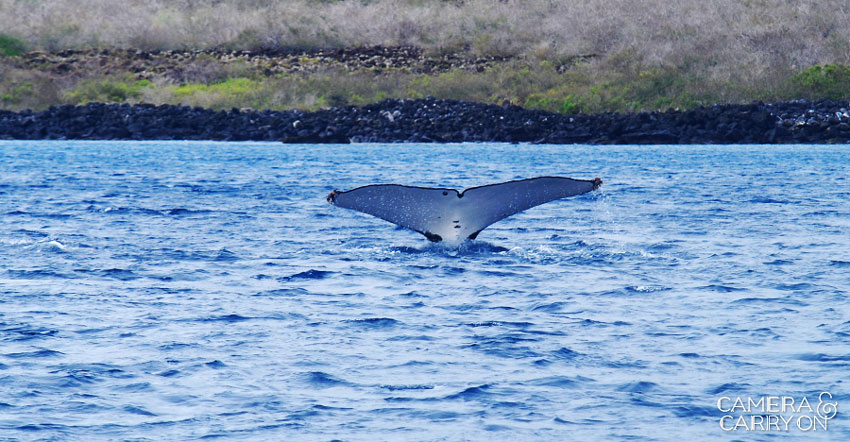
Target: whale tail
x=451 y=216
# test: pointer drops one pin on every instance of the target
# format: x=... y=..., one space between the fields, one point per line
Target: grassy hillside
x=589 y=55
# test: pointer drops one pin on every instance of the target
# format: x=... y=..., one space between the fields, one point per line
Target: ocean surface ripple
x=189 y=290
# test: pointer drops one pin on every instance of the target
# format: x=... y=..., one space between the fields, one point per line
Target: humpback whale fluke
x=452 y=216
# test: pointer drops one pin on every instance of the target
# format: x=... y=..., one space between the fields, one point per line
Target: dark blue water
x=175 y=291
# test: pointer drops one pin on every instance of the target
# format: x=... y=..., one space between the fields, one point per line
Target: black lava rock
x=432 y=120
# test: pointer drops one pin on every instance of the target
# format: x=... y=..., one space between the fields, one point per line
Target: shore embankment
x=566 y=57
x=432 y=120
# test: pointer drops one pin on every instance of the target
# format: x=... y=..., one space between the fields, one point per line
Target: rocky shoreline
x=432 y=120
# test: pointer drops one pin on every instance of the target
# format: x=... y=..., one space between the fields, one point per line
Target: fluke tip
x=332 y=196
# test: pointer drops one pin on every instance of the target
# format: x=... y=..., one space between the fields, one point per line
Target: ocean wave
x=220 y=297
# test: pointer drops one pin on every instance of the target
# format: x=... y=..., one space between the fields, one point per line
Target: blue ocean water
x=188 y=290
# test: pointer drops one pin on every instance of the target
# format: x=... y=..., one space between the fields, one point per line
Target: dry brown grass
x=728 y=46
x=755 y=32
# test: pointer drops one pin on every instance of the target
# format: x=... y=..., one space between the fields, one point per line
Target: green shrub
x=24 y=89
x=11 y=46
x=828 y=81
x=17 y=94
x=230 y=87
x=107 y=91
x=552 y=101
x=232 y=92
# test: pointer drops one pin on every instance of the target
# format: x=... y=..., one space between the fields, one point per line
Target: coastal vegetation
x=589 y=56
x=10 y=46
